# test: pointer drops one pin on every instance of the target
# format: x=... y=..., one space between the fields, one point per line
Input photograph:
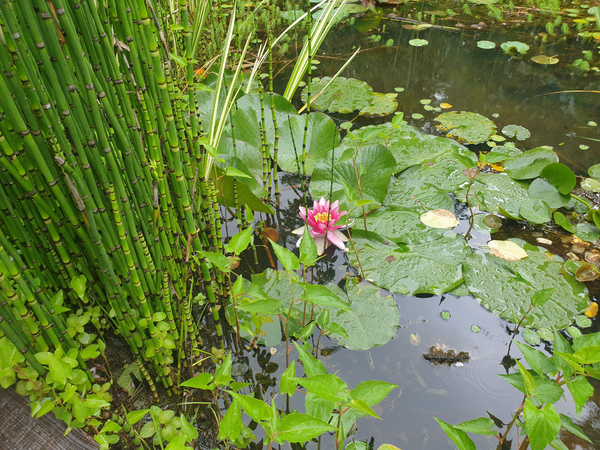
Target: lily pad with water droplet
x=486 y=45
x=343 y=95
x=372 y=320
x=409 y=193
x=594 y=171
x=381 y=105
x=475 y=328
x=583 y=321
x=431 y=267
x=531 y=337
x=536 y=211
x=544 y=59
x=445 y=315
x=513 y=47
x=468 y=127
x=496 y=191
x=506 y=288
x=516 y=131
x=493 y=221
x=590 y=184
x=530 y=164
x=546 y=334
x=418 y=42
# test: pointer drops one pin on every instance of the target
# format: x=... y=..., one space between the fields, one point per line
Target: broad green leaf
x=372 y=391
x=323 y=296
x=232 y=424
x=312 y=366
x=322 y=136
x=594 y=171
x=262 y=306
x=298 y=427
x=539 y=362
x=565 y=223
x=536 y=211
x=581 y=390
x=589 y=354
x=559 y=176
x=361 y=405
x=376 y=165
x=400 y=226
x=200 y=381
x=540 y=189
x=586 y=340
x=481 y=425
x=530 y=164
x=468 y=127
x=249 y=191
x=9 y=355
x=543 y=424
x=318 y=407
x=431 y=267
x=343 y=95
x=372 y=320
x=255 y=408
x=223 y=372
x=308 y=249
x=572 y=427
x=240 y=241
x=288 y=260
x=409 y=193
x=134 y=417
x=326 y=386
x=506 y=288
x=219 y=260
x=287 y=384
x=496 y=191
x=460 y=438
x=78 y=285
x=528 y=381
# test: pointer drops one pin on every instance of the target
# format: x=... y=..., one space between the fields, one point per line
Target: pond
x=509 y=90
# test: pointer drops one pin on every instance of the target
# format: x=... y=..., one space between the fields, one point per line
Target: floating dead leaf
x=272 y=350
x=592 y=310
x=439 y=218
x=587 y=273
x=544 y=59
x=415 y=339
x=445 y=105
x=493 y=221
x=593 y=256
x=507 y=250
x=544 y=241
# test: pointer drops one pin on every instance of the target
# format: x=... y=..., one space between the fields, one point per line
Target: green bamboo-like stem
x=147 y=377
x=263 y=137
x=274 y=117
x=308 y=85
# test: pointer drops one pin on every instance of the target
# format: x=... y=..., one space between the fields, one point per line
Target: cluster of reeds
x=107 y=190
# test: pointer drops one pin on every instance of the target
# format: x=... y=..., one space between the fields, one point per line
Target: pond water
x=451 y=69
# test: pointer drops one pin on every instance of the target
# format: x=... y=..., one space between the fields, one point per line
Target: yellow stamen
x=322 y=217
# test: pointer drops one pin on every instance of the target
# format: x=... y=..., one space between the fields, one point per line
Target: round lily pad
x=372 y=320
x=475 y=328
x=546 y=334
x=531 y=337
x=428 y=108
x=594 y=171
x=381 y=105
x=513 y=47
x=516 y=131
x=425 y=101
x=417 y=116
x=486 y=45
x=543 y=59
x=343 y=95
x=590 y=184
x=506 y=288
x=466 y=126
x=591 y=123
x=418 y=42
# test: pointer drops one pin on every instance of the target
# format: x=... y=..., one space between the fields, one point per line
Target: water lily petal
x=303 y=213
x=341 y=235
x=323 y=202
x=336 y=240
x=320 y=242
x=299 y=231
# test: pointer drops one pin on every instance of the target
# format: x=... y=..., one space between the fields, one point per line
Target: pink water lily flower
x=321 y=221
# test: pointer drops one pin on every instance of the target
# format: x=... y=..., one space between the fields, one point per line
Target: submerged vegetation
x=143 y=155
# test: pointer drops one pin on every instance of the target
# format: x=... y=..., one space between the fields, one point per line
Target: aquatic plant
x=322 y=221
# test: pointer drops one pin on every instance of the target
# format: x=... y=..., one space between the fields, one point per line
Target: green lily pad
x=530 y=164
x=468 y=127
x=506 y=288
x=559 y=176
x=400 y=227
x=590 y=184
x=372 y=320
x=381 y=105
x=322 y=136
x=587 y=232
x=484 y=2
x=594 y=172
x=542 y=190
x=418 y=42
x=513 y=47
x=343 y=95
x=375 y=165
x=432 y=267
x=531 y=337
x=565 y=223
x=497 y=190
x=417 y=116
x=544 y=59
x=516 y=131
x=409 y=193
x=546 y=334
x=536 y=211
x=486 y=45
